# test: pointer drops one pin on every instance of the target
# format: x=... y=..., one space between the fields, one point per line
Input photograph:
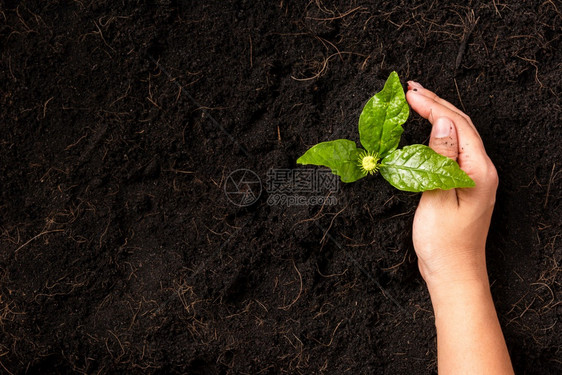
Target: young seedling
x=413 y=168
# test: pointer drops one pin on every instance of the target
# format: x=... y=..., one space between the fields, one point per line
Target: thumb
x=444 y=141
x=443 y=138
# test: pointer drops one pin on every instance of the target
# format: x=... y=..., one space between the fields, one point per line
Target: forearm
x=469 y=336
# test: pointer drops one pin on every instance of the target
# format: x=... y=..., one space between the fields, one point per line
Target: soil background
x=120 y=122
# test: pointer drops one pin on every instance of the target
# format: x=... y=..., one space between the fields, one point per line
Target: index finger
x=430 y=94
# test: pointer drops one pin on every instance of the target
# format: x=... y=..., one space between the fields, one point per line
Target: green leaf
x=419 y=168
x=341 y=156
x=380 y=123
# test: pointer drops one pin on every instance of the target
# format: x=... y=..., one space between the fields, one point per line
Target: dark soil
x=120 y=122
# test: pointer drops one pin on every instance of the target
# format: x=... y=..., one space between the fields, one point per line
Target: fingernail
x=414 y=85
x=442 y=127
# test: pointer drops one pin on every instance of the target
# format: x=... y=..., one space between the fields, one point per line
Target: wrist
x=458 y=269
x=460 y=294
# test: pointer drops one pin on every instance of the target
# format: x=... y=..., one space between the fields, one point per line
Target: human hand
x=450 y=227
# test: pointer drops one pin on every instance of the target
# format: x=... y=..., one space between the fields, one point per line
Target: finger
x=472 y=156
x=417 y=88
x=443 y=138
x=430 y=94
x=470 y=144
